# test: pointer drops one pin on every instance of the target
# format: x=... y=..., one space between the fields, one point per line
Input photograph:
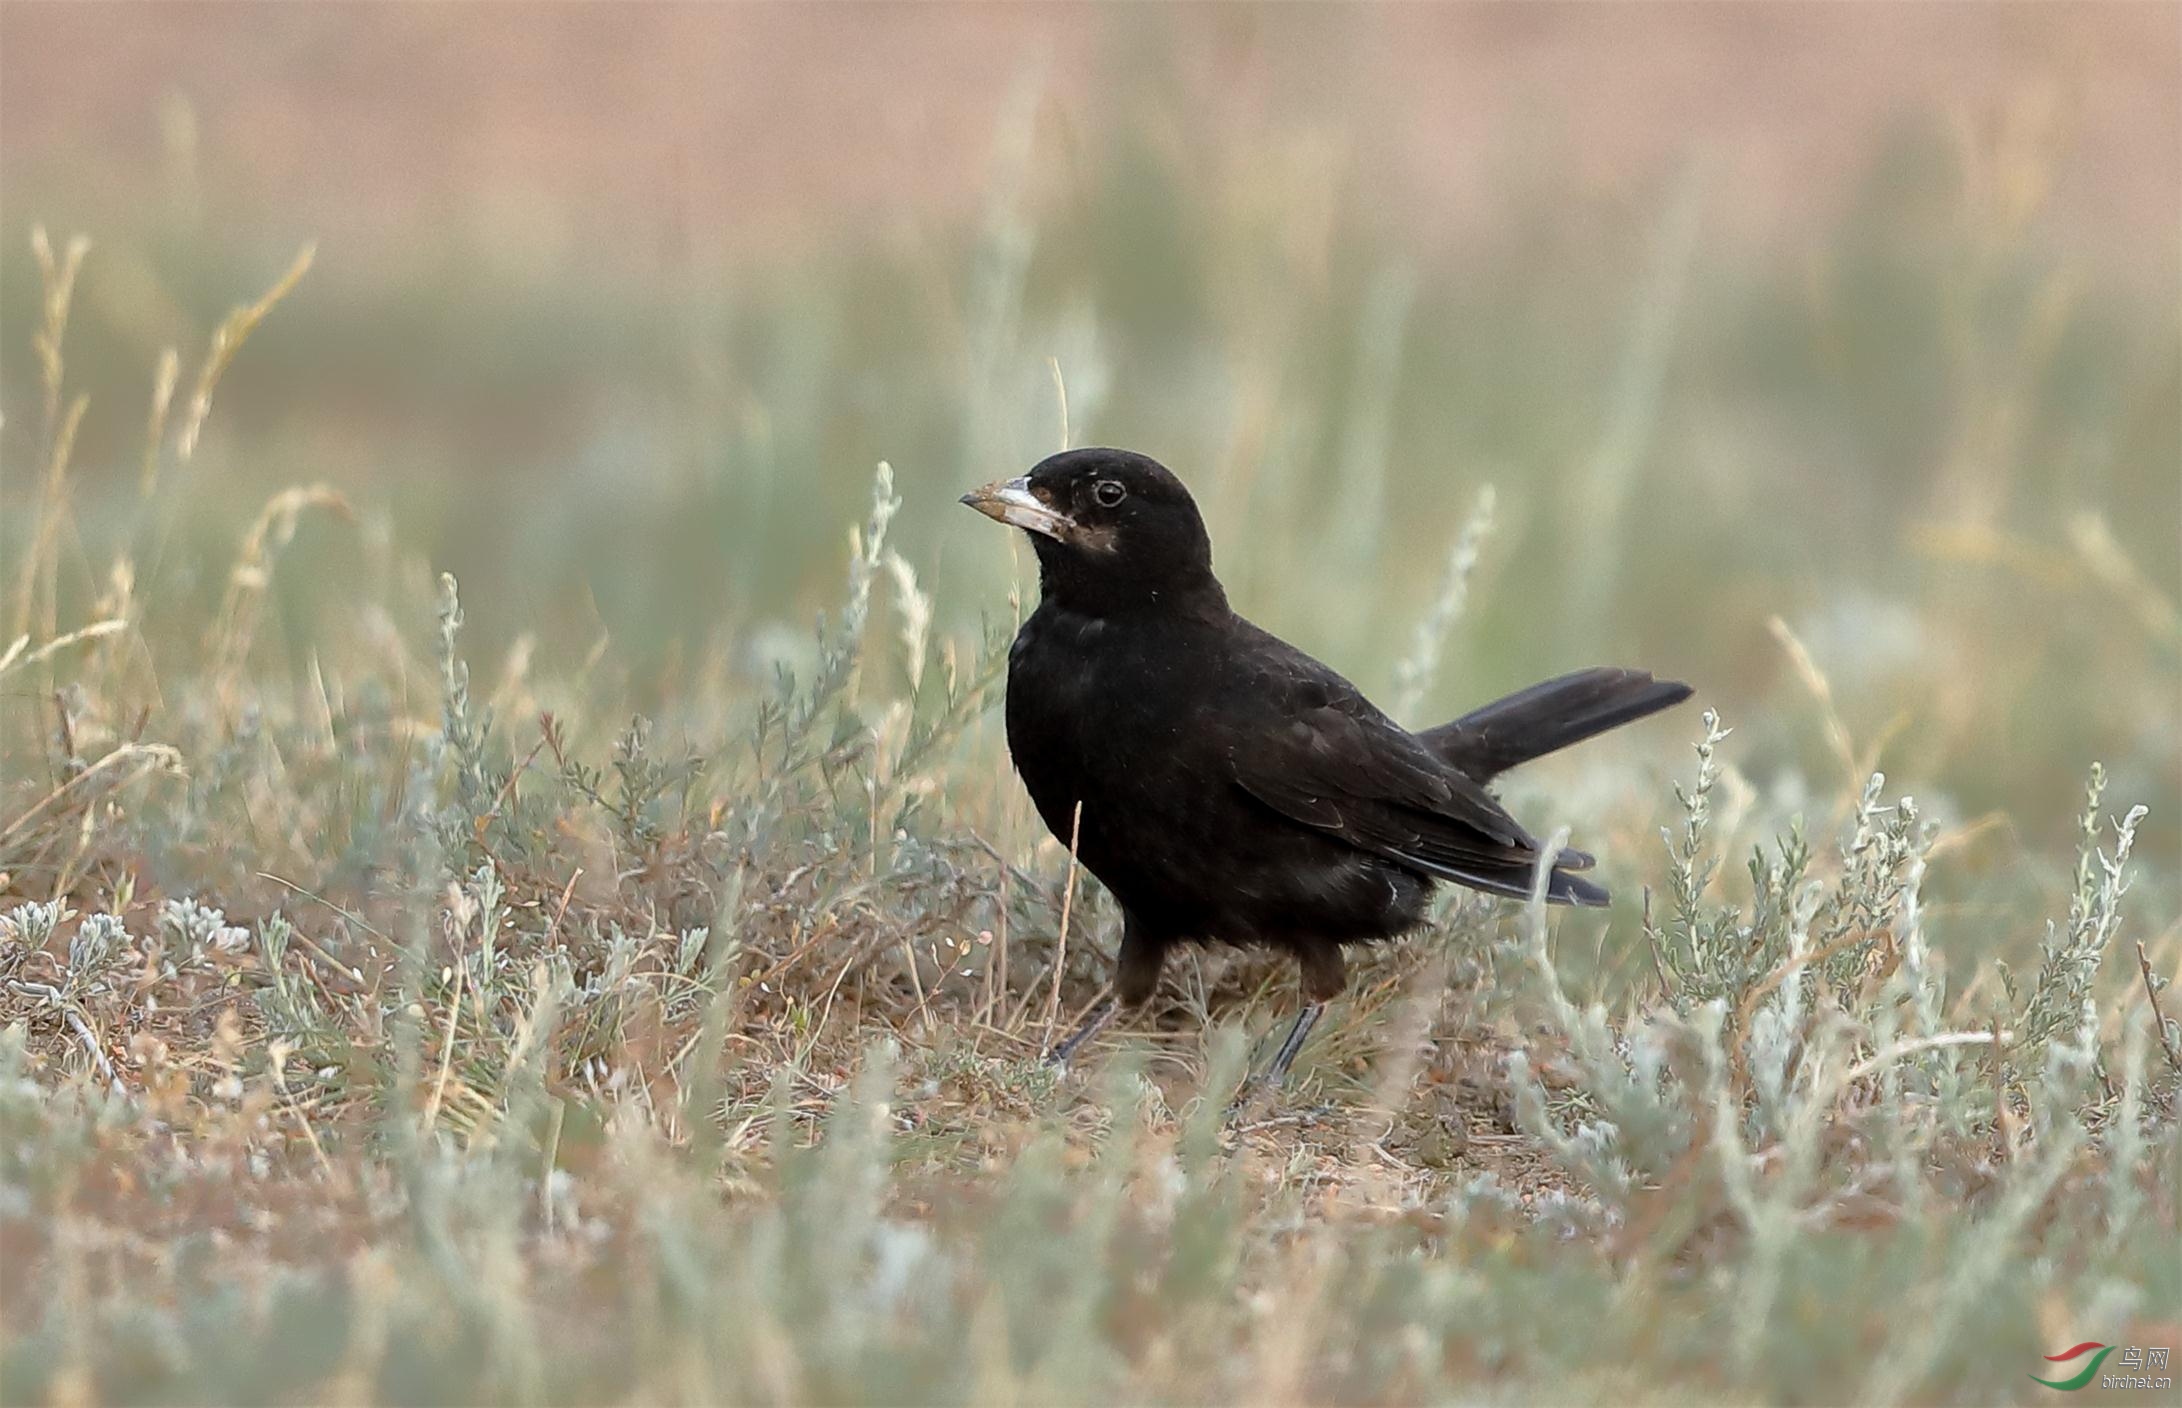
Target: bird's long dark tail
x=1533 y=722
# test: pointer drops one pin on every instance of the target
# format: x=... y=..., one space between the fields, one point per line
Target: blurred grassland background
x=1829 y=358
x=1879 y=337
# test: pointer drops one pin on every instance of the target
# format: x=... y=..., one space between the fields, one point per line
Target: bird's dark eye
x=1109 y=492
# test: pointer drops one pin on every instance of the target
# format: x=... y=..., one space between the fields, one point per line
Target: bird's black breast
x=1140 y=721
x=1098 y=713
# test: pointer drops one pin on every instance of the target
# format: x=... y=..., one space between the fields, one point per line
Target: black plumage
x=1230 y=787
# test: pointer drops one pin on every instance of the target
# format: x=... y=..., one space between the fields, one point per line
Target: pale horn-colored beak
x=1012 y=502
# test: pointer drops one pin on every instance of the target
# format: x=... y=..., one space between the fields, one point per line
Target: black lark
x=1223 y=785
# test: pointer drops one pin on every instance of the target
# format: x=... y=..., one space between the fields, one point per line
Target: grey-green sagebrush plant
x=1824 y=1094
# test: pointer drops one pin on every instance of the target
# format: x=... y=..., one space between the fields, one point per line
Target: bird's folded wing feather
x=1332 y=761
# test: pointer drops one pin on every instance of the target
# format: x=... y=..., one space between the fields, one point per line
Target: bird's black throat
x=1167 y=570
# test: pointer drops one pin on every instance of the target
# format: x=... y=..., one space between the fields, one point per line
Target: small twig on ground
x=67 y=1008
x=1910 y=1048
x=295 y=1107
x=2159 y=1018
x=67 y=728
x=567 y=892
x=152 y=754
x=1068 y=904
x=312 y=945
x=916 y=983
x=507 y=789
x=1651 y=941
x=1774 y=979
x=447 y=1052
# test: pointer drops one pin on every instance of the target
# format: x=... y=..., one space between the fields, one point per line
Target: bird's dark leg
x=1324 y=976
x=1136 y=977
x=1101 y=1017
x=1286 y=1056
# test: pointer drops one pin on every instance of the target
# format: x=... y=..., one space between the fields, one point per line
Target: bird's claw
x=1246 y=1095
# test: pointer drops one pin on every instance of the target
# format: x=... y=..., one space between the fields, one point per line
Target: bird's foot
x=1246 y=1096
x=1275 y=1075
x=1248 y=1112
x=1101 y=1015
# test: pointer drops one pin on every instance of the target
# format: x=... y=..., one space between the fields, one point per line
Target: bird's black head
x=1114 y=531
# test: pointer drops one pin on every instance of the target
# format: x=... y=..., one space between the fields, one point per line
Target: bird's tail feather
x=1517 y=880
x=1532 y=722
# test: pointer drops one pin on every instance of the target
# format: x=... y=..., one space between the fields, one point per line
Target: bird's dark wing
x=1323 y=756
